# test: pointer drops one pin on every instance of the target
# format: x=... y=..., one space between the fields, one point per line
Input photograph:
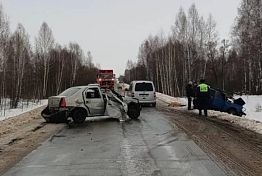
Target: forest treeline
x=193 y=50
x=41 y=69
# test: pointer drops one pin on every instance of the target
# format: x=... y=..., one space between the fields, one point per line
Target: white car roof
x=93 y=84
x=83 y=87
x=142 y=81
x=87 y=86
x=78 y=87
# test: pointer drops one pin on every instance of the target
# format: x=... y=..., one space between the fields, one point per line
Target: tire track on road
x=136 y=163
x=235 y=147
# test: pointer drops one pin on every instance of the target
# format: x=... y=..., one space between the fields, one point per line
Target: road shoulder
x=22 y=134
x=238 y=149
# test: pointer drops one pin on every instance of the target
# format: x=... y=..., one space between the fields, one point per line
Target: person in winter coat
x=189 y=94
x=203 y=96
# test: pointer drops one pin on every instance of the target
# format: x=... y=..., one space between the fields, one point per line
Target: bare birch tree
x=21 y=55
x=60 y=68
x=76 y=57
x=4 y=35
x=44 y=43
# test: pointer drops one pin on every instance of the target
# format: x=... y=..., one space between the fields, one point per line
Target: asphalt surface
x=151 y=145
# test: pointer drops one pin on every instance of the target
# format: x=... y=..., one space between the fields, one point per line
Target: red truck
x=106 y=79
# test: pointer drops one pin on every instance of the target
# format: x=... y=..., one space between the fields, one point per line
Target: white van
x=144 y=91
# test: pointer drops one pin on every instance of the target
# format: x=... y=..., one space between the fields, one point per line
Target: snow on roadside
x=253 y=120
x=253 y=106
x=168 y=99
x=15 y=112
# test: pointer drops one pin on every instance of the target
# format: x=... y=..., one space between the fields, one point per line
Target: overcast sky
x=112 y=29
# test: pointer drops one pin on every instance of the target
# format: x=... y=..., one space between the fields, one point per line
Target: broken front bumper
x=55 y=116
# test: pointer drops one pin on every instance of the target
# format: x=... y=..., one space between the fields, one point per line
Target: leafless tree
x=28 y=74
x=4 y=35
x=192 y=52
x=21 y=54
x=248 y=39
x=76 y=55
x=44 y=43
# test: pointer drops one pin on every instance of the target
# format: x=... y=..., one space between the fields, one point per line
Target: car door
x=218 y=101
x=94 y=101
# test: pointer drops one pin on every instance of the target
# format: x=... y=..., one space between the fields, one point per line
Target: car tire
x=153 y=104
x=232 y=111
x=133 y=111
x=79 y=116
x=47 y=120
x=53 y=118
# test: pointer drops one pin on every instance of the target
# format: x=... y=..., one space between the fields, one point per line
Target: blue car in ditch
x=220 y=102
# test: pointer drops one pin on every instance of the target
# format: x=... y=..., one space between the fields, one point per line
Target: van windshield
x=69 y=92
x=144 y=87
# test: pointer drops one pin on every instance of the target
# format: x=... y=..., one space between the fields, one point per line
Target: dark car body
x=220 y=102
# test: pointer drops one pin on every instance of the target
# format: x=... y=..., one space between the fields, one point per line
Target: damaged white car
x=82 y=102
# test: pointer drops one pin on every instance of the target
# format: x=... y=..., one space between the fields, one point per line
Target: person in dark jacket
x=189 y=94
x=195 y=88
x=203 y=96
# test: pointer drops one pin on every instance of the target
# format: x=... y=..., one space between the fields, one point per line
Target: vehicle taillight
x=155 y=94
x=62 y=103
x=100 y=79
x=132 y=94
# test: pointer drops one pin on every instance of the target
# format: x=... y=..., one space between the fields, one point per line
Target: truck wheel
x=133 y=111
x=79 y=116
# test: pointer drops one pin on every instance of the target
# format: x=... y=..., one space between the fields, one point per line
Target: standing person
x=189 y=94
x=203 y=96
x=194 y=88
x=194 y=95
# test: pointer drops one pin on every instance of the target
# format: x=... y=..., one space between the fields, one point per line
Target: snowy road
x=152 y=145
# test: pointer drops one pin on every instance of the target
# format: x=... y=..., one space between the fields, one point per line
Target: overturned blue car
x=220 y=102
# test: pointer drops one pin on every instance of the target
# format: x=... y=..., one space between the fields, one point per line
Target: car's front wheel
x=79 y=116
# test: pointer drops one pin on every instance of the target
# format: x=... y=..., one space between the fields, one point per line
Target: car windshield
x=144 y=87
x=106 y=76
x=69 y=92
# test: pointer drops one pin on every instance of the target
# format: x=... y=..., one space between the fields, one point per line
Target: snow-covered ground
x=252 y=121
x=22 y=108
x=253 y=107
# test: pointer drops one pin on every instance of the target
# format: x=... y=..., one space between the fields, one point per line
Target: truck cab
x=106 y=79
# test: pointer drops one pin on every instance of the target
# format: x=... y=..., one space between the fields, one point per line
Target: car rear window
x=69 y=92
x=144 y=87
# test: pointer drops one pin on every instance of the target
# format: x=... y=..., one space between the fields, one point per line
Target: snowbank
x=253 y=120
x=168 y=99
x=23 y=107
x=253 y=107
